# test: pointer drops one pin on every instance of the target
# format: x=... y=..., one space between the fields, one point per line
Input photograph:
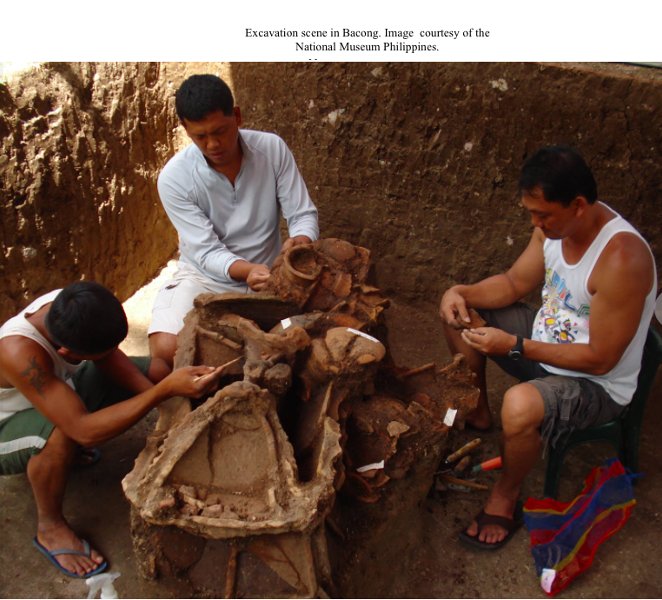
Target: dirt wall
x=82 y=144
x=417 y=162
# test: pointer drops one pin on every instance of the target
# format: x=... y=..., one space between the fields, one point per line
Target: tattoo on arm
x=36 y=375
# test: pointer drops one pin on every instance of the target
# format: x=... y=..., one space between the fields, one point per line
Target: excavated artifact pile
x=313 y=430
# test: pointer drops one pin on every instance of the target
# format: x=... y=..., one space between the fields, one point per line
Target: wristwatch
x=517 y=351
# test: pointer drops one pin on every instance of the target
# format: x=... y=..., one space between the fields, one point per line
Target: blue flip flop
x=51 y=554
x=87 y=457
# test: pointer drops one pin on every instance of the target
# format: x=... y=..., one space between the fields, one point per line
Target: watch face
x=515 y=354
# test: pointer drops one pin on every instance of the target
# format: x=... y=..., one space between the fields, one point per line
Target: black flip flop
x=483 y=519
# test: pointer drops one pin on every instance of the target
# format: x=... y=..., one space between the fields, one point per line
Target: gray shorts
x=570 y=402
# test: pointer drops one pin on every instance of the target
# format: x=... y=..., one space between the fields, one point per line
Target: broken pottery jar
x=227 y=470
x=328 y=275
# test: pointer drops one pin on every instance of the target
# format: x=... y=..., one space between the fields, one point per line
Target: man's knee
x=58 y=450
x=162 y=347
x=452 y=334
x=522 y=411
x=22 y=436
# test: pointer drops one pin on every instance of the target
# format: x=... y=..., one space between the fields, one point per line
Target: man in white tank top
x=51 y=402
x=579 y=355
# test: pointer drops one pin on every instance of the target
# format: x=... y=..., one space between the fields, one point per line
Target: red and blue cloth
x=566 y=535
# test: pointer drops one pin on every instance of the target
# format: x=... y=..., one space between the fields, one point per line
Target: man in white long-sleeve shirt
x=224 y=194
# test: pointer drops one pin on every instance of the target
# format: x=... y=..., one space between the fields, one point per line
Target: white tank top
x=11 y=400
x=564 y=315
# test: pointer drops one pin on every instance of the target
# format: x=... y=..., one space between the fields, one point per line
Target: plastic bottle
x=103 y=582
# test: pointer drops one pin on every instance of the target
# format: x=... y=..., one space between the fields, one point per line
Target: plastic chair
x=623 y=433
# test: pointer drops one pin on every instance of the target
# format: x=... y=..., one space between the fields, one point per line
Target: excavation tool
x=455 y=464
x=221 y=368
x=447 y=465
x=462 y=485
x=488 y=465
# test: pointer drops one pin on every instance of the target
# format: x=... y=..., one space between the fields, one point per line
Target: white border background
x=130 y=30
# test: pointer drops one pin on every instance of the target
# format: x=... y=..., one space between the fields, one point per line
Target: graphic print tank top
x=564 y=315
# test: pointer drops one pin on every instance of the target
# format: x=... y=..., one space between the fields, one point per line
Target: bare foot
x=480 y=419
x=60 y=537
x=499 y=506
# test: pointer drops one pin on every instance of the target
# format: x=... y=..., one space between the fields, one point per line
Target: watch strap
x=517 y=351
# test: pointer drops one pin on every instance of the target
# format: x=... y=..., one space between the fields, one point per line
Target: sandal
x=86 y=457
x=482 y=519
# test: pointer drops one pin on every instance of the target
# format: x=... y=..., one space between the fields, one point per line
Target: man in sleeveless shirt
x=64 y=384
x=578 y=356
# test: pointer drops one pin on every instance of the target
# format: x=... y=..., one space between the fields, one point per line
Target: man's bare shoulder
x=628 y=251
x=18 y=354
x=538 y=236
x=626 y=259
x=19 y=343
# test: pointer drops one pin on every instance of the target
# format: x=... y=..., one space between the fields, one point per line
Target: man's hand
x=489 y=340
x=257 y=277
x=192 y=382
x=297 y=240
x=254 y=274
x=453 y=309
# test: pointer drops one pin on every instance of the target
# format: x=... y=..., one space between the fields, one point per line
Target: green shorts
x=25 y=433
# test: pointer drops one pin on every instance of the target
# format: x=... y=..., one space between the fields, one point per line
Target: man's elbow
x=85 y=439
x=304 y=224
x=601 y=366
x=82 y=436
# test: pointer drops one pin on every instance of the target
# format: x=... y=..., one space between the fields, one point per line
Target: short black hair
x=561 y=173
x=86 y=318
x=201 y=95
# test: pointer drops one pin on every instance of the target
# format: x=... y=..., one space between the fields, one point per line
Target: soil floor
x=434 y=565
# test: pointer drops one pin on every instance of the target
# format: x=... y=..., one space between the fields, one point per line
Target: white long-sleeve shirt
x=219 y=223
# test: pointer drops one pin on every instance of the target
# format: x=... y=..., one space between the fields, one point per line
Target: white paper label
x=449 y=419
x=286 y=323
x=370 y=467
x=547 y=578
x=363 y=335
